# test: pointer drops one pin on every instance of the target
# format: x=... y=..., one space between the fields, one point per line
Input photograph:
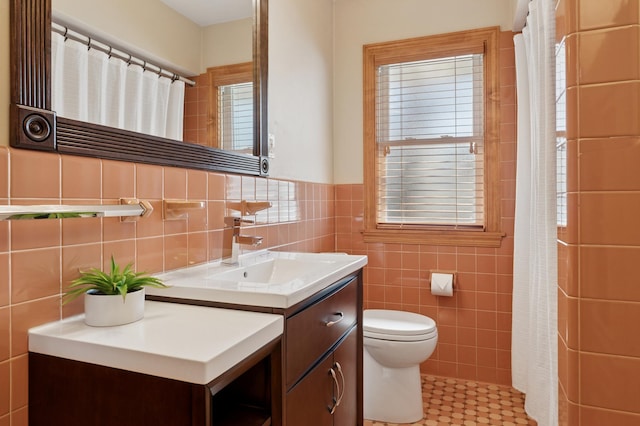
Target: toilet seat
x=397 y=325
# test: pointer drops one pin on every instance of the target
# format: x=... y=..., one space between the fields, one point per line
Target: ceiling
x=209 y=12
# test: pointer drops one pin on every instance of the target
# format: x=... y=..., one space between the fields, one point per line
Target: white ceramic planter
x=107 y=310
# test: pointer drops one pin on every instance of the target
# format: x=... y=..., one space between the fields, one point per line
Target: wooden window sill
x=442 y=237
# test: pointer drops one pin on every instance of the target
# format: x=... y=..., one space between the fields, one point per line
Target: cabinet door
x=310 y=333
x=309 y=402
x=345 y=362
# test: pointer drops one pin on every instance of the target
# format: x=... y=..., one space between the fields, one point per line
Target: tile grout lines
x=449 y=401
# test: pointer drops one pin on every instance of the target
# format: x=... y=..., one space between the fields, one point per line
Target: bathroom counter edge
x=194 y=344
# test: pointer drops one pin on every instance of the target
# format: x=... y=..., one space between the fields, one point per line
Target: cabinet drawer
x=311 y=332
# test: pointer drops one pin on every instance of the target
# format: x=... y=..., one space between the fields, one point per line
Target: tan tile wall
x=196 y=111
x=474 y=325
x=599 y=295
x=39 y=258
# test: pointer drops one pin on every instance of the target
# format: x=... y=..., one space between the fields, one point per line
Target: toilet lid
x=398 y=323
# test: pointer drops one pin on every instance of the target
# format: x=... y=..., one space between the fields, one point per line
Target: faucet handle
x=249 y=240
x=236 y=221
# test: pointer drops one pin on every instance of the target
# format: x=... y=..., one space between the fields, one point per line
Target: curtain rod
x=92 y=43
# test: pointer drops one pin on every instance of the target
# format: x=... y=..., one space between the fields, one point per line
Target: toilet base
x=391 y=395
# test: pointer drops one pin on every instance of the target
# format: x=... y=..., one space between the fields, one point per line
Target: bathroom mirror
x=35 y=126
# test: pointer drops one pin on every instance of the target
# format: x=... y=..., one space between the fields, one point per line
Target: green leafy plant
x=114 y=282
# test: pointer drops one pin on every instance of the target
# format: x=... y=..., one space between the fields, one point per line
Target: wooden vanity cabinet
x=64 y=392
x=321 y=330
x=323 y=358
x=310 y=376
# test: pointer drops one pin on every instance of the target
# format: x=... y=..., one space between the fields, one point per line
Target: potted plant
x=112 y=298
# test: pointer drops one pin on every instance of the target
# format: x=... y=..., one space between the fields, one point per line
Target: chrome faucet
x=234 y=223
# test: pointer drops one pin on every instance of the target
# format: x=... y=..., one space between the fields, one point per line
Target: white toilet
x=395 y=343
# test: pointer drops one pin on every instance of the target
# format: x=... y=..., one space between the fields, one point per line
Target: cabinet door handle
x=344 y=384
x=332 y=410
x=331 y=323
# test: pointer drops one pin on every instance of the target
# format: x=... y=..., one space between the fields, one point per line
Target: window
x=431 y=140
x=232 y=107
x=235 y=116
x=561 y=134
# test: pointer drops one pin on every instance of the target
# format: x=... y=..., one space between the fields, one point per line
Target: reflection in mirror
x=231 y=107
x=100 y=79
x=94 y=82
x=35 y=125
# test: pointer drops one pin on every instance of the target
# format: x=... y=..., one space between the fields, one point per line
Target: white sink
x=266 y=278
x=276 y=271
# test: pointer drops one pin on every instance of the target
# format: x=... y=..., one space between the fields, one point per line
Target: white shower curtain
x=535 y=277
x=90 y=86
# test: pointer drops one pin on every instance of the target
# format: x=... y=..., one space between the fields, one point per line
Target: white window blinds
x=235 y=115
x=430 y=142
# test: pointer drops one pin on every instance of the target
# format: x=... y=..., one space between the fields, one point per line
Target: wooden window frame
x=223 y=76
x=423 y=48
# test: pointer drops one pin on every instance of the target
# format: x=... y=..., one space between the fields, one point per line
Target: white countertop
x=295 y=277
x=193 y=344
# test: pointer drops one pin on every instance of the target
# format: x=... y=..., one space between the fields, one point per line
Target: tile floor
x=450 y=401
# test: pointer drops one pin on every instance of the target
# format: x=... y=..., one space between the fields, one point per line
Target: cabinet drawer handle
x=344 y=385
x=336 y=402
x=331 y=323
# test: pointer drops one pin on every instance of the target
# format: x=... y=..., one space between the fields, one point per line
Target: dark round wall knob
x=264 y=166
x=36 y=127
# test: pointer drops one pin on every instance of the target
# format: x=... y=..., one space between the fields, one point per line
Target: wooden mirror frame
x=35 y=126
